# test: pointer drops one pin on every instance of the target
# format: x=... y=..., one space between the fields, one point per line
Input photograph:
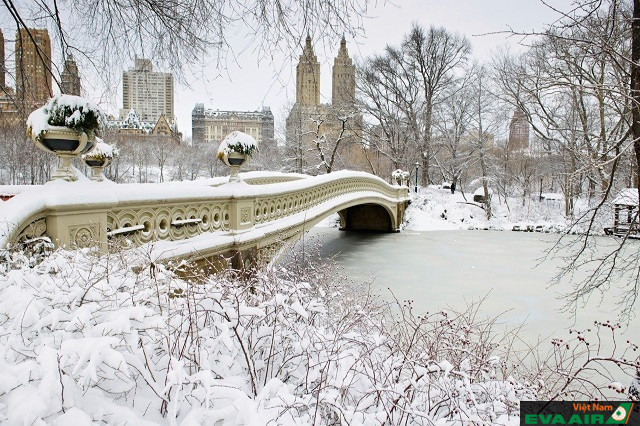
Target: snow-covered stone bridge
x=199 y=219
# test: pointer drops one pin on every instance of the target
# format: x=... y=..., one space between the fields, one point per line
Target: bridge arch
x=367 y=217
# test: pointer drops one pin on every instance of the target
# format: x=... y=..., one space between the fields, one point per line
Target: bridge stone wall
x=208 y=219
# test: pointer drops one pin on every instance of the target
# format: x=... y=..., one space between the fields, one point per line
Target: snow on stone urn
x=400 y=177
x=98 y=158
x=66 y=126
x=234 y=151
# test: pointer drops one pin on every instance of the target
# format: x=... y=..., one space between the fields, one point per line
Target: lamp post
x=416 y=187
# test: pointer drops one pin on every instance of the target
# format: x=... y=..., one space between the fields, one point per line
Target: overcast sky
x=252 y=81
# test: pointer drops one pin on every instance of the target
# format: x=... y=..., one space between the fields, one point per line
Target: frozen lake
x=446 y=268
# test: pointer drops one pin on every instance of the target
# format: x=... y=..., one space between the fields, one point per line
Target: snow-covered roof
x=480 y=191
x=627 y=197
x=133 y=121
x=241 y=115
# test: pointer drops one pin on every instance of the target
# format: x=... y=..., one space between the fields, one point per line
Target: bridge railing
x=80 y=214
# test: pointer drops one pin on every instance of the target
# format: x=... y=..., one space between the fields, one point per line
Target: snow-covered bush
x=237 y=142
x=101 y=151
x=400 y=176
x=73 y=112
x=85 y=337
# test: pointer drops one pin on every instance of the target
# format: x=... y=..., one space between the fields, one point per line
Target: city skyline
x=252 y=81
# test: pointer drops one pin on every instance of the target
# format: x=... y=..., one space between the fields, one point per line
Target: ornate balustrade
x=80 y=214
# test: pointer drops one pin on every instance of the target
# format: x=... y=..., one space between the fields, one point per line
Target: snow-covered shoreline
x=436 y=209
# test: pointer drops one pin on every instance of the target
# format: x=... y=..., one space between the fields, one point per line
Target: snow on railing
x=125 y=230
x=180 y=222
x=102 y=206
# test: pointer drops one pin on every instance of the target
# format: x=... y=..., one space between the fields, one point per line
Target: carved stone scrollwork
x=35 y=229
x=84 y=235
x=245 y=215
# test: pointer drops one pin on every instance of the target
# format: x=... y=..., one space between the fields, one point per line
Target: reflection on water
x=450 y=268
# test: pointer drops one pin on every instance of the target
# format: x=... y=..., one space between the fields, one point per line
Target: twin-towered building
x=210 y=126
x=310 y=122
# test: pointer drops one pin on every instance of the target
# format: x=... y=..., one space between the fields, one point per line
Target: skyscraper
x=33 y=67
x=70 y=77
x=343 y=90
x=149 y=93
x=308 y=77
x=518 y=131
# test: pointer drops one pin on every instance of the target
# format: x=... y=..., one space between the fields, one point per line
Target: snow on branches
x=85 y=337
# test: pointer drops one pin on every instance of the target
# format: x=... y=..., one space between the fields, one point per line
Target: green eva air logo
x=621 y=415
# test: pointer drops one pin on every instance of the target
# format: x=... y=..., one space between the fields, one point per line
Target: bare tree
x=390 y=95
x=333 y=133
x=179 y=33
x=578 y=85
x=452 y=125
x=436 y=55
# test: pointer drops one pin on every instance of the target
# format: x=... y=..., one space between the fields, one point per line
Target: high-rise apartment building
x=70 y=77
x=343 y=84
x=33 y=67
x=211 y=126
x=149 y=93
x=518 y=131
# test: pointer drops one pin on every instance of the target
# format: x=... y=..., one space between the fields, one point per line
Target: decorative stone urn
x=400 y=177
x=65 y=125
x=234 y=151
x=66 y=144
x=97 y=165
x=235 y=161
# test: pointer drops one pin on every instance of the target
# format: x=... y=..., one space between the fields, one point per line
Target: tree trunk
x=635 y=84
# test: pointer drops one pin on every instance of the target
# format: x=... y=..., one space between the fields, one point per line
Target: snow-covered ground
x=438 y=209
x=85 y=339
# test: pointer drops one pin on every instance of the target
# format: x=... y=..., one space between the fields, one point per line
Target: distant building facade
x=8 y=110
x=211 y=126
x=70 y=77
x=518 y=131
x=309 y=120
x=135 y=128
x=33 y=67
x=33 y=76
x=149 y=93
